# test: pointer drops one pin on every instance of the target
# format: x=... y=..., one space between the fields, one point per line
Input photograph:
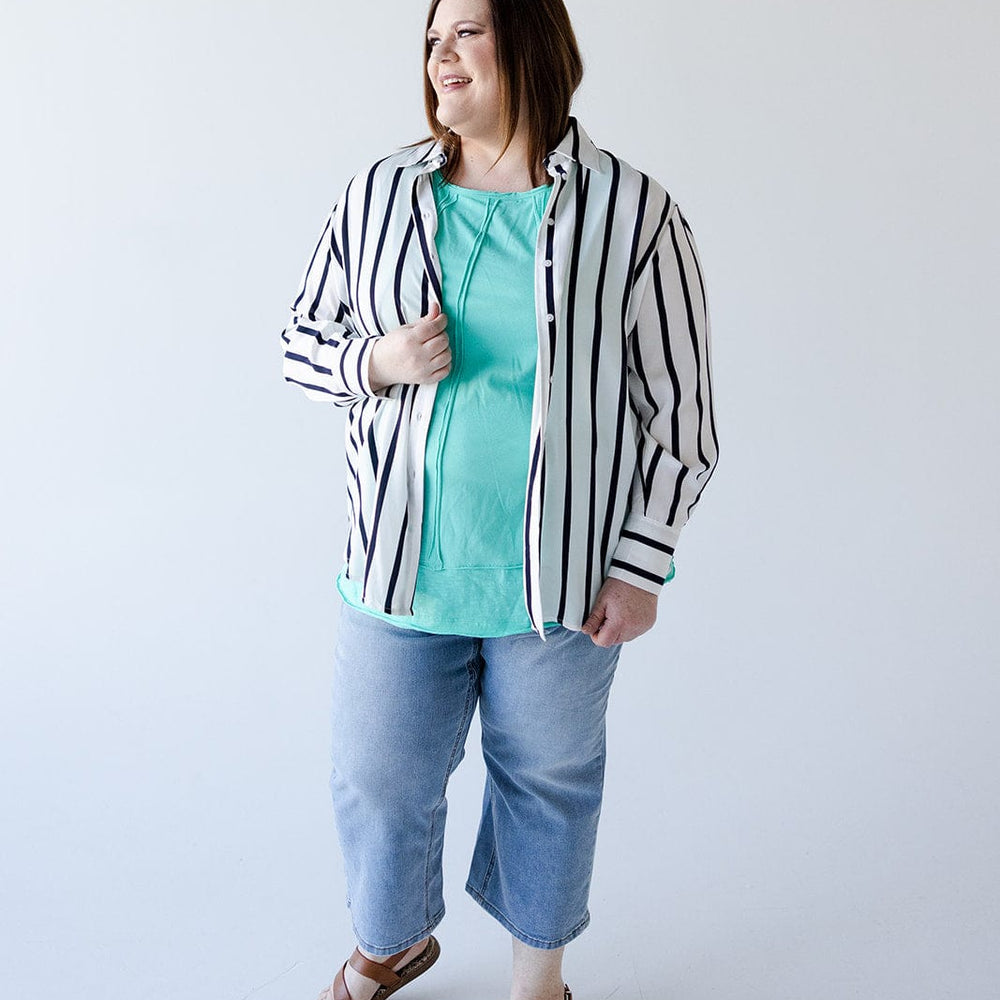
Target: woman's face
x=463 y=46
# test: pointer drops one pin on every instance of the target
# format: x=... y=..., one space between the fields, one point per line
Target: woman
x=516 y=324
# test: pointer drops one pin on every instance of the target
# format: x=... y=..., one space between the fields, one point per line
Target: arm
x=670 y=389
x=324 y=354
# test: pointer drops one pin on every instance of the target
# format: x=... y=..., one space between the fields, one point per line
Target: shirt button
x=552 y=222
x=550 y=317
x=548 y=263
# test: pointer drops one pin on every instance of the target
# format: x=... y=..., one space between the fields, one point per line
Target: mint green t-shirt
x=470 y=572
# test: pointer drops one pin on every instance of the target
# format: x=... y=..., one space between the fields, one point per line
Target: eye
x=462 y=31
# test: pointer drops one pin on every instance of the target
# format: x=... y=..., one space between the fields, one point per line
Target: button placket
x=547 y=275
x=425 y=393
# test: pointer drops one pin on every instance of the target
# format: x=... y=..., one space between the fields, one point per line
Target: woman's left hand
x=620 y=613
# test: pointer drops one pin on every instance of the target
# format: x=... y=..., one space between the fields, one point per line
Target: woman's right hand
x=417 y=352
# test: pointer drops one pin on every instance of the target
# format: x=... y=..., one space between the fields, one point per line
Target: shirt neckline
x=479 y=195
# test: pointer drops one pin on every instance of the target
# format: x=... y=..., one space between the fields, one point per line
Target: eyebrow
x=457 y=23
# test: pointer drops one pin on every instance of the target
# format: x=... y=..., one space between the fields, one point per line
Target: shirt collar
x=575 y=146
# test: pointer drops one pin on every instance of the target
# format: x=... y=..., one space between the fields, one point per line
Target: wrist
x=375 y=374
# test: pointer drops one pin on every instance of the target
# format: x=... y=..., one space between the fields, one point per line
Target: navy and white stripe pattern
x=623 y=437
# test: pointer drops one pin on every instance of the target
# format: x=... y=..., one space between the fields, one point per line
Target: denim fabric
x=402 y=703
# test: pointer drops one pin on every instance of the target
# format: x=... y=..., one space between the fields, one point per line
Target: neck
x=476 y=168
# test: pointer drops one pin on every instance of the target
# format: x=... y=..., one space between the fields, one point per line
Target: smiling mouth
x=454 y=83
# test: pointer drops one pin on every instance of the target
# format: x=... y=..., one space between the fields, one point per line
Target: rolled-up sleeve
x=670 y=388
x=324 y=353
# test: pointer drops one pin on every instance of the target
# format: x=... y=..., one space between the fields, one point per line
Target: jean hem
x=528 y=939
x=383 y=950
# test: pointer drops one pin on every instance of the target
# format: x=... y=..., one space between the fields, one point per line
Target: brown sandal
x=383 y=973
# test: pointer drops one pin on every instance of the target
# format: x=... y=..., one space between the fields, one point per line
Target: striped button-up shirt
x=623 y=438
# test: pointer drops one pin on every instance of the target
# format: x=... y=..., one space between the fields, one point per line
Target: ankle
x=537 y=973
x=538 y=991
x=407 y=956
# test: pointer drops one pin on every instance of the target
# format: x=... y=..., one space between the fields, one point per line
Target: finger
x=607 y=633
x=432 y=327
x=442 y=357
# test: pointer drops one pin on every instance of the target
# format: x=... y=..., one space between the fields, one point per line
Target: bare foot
x=361 y=987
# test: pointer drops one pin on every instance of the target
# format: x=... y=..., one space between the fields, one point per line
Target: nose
x=441 y=52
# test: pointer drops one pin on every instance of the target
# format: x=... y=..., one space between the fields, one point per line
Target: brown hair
x=537 y=57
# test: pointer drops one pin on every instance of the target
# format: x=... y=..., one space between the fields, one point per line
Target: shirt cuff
x=357 y=360
x=645 y=553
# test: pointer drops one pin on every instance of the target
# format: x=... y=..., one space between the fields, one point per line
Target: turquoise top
x=470 y=571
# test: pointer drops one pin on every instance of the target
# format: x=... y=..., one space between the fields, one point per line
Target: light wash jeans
x=402 y=703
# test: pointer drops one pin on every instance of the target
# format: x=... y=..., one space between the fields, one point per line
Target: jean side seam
x=458 y=742
x=491 y=864
x=489 y=869
x=427 y=865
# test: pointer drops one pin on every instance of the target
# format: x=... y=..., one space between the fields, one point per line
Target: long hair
x=537 y=58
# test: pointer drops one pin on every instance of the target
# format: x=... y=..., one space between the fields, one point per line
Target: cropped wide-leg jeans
x=402 y=703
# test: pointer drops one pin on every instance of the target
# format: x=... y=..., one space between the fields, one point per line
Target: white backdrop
x=802 y=786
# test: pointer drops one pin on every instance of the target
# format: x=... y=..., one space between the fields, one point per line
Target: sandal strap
x=340 y=990
x=382 y=972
